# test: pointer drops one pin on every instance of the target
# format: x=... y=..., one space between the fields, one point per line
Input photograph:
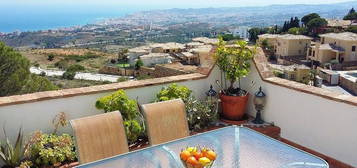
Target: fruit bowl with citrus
x=196 y=157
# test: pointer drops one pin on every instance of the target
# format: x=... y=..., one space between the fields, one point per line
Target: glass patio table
x=236 y=147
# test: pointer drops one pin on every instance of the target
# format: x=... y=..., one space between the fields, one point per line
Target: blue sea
x=34 y=17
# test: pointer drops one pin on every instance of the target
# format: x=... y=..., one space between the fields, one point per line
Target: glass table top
x=236 y=147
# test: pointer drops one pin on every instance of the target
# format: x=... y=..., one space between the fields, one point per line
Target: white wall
x=38 y=115
x=323 y=125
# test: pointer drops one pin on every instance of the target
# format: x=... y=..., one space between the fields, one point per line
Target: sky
x=166 y=3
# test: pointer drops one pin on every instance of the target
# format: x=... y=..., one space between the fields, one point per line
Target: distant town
x=310 y=48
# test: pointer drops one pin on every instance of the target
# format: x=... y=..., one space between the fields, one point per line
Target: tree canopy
x=294 y=22
x=254 y=32
x=15 y=76
x=316 y=23
x=352 y=11
x=297 y=30
x=307 y=18
x=229 y=37
x=14 y=71
x=351 y=15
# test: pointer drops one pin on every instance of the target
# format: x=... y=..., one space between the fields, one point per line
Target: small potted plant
x=234 y=62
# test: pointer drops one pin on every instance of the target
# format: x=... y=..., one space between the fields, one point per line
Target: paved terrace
x=316 y=120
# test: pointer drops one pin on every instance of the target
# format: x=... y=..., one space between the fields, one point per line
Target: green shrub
x=138 y=64
x=278 y=74
x=36 y=64
x=51 y=149
x=76 y=68
x=11 y=154
x=133 y=130
x=229 y=37
x=200 y=114
x=38 y=83
x=173 y=91
x=69 y=75
x=90 y=55
x=119 y=101
x=143 y=77
x=62 y=64
x=79 y=58
x=122 y=79
x=50 y=57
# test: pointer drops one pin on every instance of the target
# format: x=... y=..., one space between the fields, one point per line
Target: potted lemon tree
x=234 y=62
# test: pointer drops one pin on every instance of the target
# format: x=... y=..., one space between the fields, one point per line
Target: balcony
x=313 y=119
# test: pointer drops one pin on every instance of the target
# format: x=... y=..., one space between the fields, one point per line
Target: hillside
x=90 y=59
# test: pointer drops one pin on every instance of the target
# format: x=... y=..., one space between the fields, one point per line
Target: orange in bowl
x=195 y=157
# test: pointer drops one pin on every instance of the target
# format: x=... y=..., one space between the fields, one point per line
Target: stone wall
x=145 y=71
x=348 y=85
x=159 y=71
x=116 y=71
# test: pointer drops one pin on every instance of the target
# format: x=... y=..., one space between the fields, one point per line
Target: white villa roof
x=338 y=23
x=294 y=37
x=140 y=49
x=347 y=36
x=288 y=68
x=205 y=48
x=331 y=47
x=285 y=36
x=154 y=55
x=169 y=45
x=268 y=35
x=195 y=44
x=188 y=54
x=206 y=40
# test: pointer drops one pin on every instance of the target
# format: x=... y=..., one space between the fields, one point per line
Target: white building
x=152 y=59
x=241 y=31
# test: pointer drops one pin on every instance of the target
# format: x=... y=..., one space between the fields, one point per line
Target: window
x=310 y=52
x=313 y=53
x=323 y=40
x=353 y=48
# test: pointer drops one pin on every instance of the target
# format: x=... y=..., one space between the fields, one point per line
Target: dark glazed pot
x=233 y=107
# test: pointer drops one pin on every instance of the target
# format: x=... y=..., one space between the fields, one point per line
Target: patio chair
x=100 y=136
x=165 y=121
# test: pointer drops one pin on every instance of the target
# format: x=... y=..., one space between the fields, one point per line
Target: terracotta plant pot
x=233 y=107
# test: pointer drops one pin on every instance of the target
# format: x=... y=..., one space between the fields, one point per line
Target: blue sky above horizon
x=152 y=4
